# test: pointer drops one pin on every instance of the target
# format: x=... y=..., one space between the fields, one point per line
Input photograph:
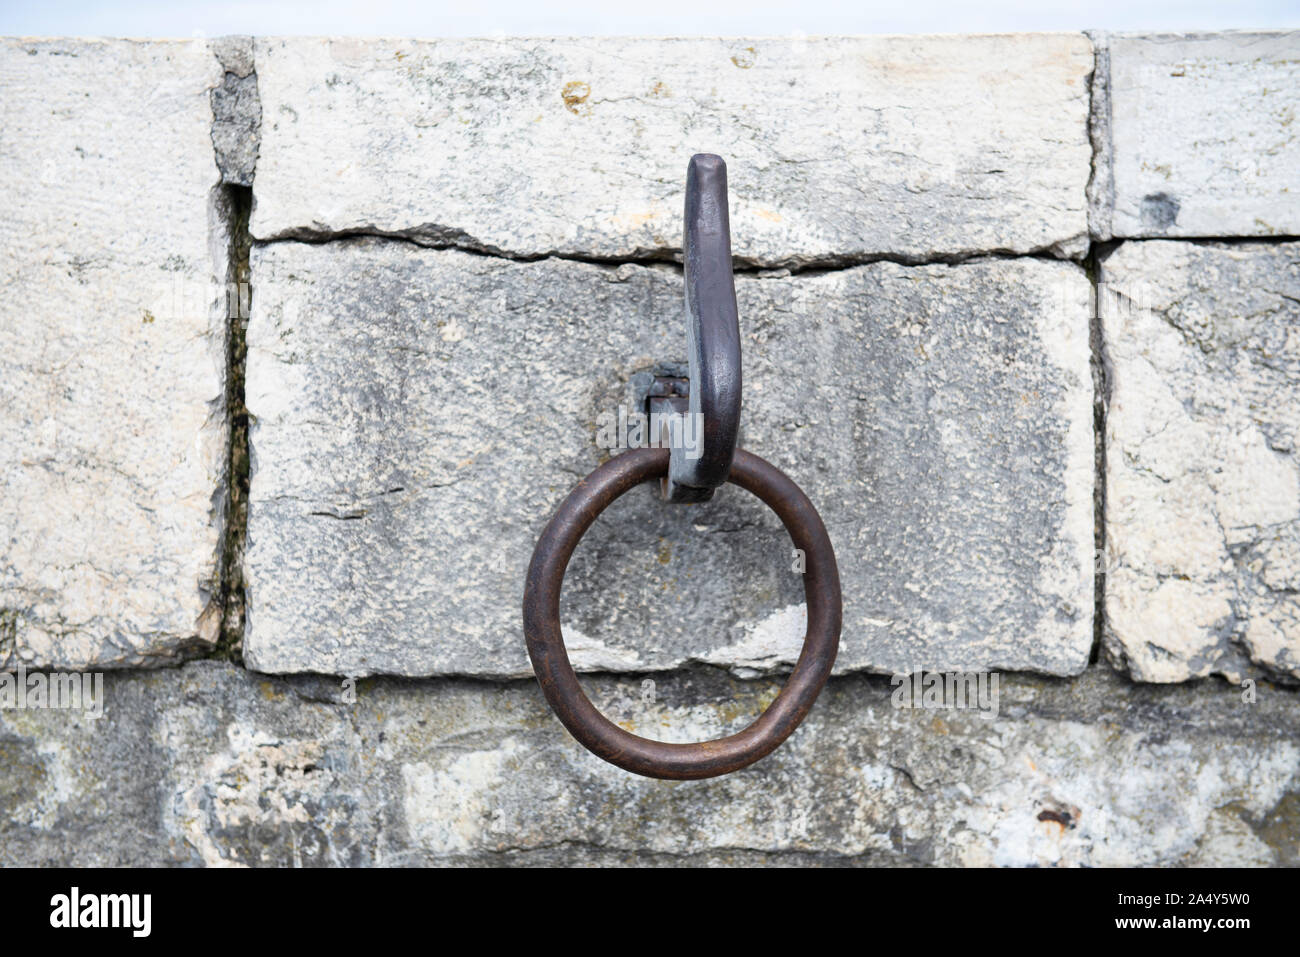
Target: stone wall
x=304 y=339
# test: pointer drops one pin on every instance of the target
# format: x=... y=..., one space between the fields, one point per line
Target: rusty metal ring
x=658 y=759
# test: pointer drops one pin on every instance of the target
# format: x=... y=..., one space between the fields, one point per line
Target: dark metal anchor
x=712 y=337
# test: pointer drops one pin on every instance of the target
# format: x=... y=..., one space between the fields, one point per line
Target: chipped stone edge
x=236 y=111
x=1101 y=184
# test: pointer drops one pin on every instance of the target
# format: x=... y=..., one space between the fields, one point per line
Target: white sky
x=432 y=18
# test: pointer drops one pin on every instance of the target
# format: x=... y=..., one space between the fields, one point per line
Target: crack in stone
x=236 y=205
x=236 y=137
x=438 y=237
x=1100 y=404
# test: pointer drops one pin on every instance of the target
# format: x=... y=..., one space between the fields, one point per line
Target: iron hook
x=712 y=335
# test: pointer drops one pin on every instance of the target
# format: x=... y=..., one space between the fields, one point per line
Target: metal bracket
x=667 y=395
x=667 y=398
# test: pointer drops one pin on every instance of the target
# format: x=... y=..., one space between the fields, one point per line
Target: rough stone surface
x=838 y=148
x=1199 y=138
x=1203 y=473
x=111 y=351
x=210 y=764
x=236 y=111
x=418 y=414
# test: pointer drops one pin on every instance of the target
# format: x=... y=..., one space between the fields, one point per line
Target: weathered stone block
x=209 y=764
x=1196 y=135
x=838 y=148
x=418 y=414
x=111 y=351
x=1202 y=475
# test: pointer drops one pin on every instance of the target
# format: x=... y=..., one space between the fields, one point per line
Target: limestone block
x=418 y=414
x=1197 y=135
x=1202 y=477
x=112 y=340
x=838 y=148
